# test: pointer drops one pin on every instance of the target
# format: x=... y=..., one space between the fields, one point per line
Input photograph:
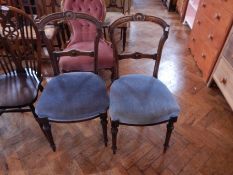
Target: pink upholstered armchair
x=82 y=37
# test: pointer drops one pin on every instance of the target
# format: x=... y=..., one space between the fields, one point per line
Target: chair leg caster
x=114 y=130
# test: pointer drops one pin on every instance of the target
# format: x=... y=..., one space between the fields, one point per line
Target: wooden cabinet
x=210 y=28
x=223 y=71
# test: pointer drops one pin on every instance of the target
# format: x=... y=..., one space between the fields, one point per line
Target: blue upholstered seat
x=73 y=96
x=140 y=100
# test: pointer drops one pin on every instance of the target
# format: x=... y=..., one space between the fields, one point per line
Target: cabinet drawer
x=224 y=79
x=211 y=33
x=206 y=59
x=205 y=29
x=204 y=55
x=192 y=43
x=216 y=13
x=228 y=50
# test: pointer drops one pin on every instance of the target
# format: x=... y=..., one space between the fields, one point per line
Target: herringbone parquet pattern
x=201 y=144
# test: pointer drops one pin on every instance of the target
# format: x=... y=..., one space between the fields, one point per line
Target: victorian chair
x=20 y=56
x=82 y=36
x=115 y=10
x=136 y=99
x=73 y=96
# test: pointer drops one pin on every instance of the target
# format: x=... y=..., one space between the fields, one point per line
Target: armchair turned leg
x=114 y=129
x=104 y=123
x=170 y=128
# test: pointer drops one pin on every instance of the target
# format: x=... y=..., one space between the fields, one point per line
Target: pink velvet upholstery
x=82 y=37
x=86 y=63
x=81 y=29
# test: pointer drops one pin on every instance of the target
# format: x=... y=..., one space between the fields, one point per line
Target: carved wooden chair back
x=20 y=51
x=71 y=17
x=138 y=55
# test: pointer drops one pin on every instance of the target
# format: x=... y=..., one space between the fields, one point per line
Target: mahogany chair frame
x=55 y=55
x=137 y=55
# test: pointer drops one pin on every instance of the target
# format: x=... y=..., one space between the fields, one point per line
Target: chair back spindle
x=20 y=51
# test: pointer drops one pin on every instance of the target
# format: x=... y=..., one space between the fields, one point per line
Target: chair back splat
x=138 y=99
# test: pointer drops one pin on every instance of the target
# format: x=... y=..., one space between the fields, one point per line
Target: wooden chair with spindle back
x=20 y=61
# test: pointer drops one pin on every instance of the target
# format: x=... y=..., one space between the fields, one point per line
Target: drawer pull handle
x=224 y=81
x=193 y=39
x=203 y=5
x=210 y=36
x=203 y=56
x=217 y=16
x=198 y=22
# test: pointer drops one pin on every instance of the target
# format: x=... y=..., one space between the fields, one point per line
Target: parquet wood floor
x=201 y=144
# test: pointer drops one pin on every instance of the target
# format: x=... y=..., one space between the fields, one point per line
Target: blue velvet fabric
x=140 y=100
x=73 y=96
